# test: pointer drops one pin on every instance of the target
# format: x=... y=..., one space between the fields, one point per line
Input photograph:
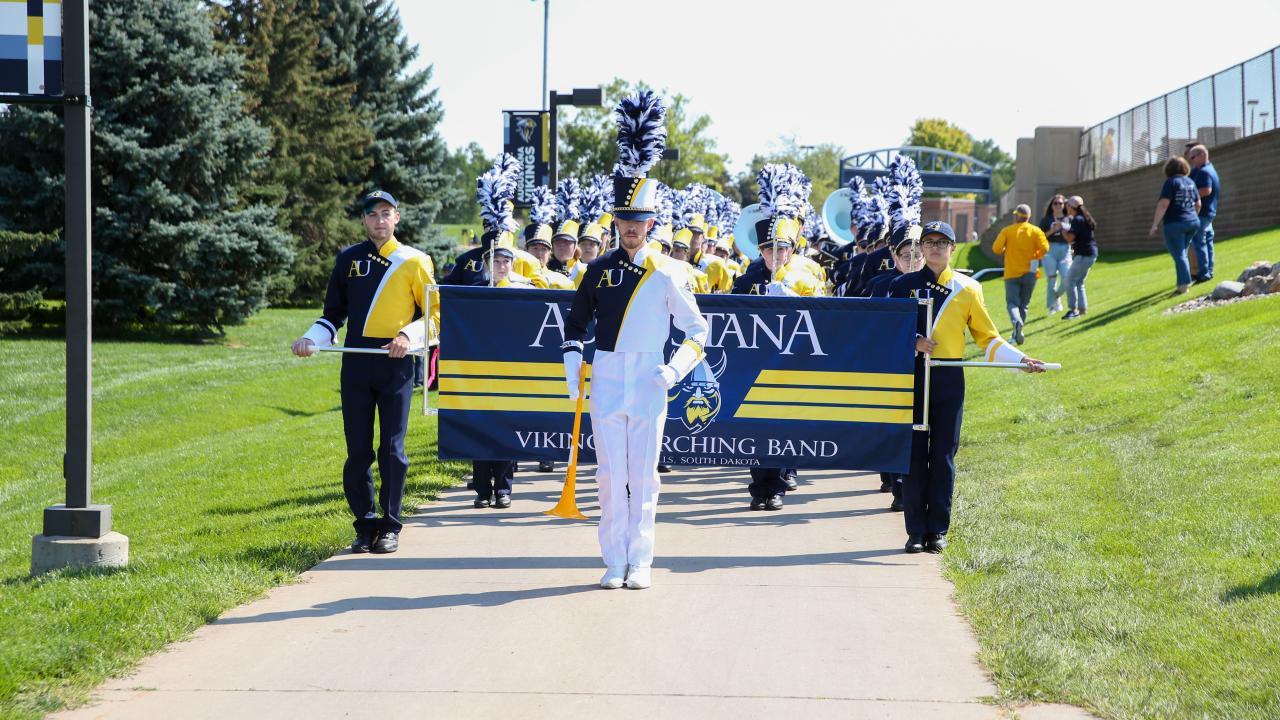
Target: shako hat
x=642 y=136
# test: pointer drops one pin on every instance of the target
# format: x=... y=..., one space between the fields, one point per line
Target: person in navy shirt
x=1178 y=208
x=1205 y=177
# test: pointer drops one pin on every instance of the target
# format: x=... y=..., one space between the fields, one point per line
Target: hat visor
x=634 y=214
x=371 y=203
x=565 y=236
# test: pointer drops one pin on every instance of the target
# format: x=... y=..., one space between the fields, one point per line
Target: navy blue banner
x=786 y=382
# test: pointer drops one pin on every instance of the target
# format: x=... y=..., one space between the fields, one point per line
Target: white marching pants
x=628 y=414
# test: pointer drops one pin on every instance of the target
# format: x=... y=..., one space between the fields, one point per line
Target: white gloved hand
x=777 y=288
x=572 y=366
x=1066 y=225
x=664 y=376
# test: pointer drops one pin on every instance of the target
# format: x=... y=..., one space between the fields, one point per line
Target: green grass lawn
x=221 y=463
x=1117 y=523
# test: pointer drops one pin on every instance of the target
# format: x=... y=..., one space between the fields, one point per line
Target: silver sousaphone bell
x=744 y=231
x=836 y=216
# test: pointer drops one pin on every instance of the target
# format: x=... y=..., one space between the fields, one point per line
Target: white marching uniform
x=633 y=302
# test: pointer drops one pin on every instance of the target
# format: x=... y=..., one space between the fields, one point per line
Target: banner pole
x=981 y=364
x=928 y=363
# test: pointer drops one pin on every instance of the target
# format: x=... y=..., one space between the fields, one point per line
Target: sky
x=853 y=73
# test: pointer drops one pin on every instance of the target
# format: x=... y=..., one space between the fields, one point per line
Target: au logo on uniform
x=474 y=265
x=359 y=268
x=697 y=398
x=609 y=279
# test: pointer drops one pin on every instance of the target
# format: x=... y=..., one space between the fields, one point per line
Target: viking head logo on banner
x=525 y=127
x=695 y=401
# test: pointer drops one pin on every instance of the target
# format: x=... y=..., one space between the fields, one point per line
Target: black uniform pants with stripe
x=492 y=476
x=927 y=489
x=766 y=482
x=375 y=385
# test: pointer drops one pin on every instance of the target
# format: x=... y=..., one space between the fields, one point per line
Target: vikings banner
x=786 y=382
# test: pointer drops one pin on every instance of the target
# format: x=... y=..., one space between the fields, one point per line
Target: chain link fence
x=1235 y=103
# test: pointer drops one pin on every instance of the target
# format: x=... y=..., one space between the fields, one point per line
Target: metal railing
x=1235 y=103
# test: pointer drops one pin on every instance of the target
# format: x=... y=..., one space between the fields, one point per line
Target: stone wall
x=1123 y=204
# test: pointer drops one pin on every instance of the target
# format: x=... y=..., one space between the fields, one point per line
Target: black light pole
x=580 y=97
x=76 y=532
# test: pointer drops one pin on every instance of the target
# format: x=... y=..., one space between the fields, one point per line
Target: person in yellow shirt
x=958 y=306
x=679 y=250
x=1022 y=244
x=537 y=241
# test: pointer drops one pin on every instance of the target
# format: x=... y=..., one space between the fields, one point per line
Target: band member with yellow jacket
x=784 y=191
x=958 y=306
x=537 y=239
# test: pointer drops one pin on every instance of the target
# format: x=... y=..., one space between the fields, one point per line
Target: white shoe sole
x=611 y=583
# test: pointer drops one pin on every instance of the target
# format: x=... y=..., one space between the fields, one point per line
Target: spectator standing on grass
x=1079 y=229
x=1022 y=244
x=1205 y=177
x=1178 y=208
x=1056 y=262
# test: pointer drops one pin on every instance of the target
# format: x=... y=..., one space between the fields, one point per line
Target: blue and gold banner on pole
x=786 y=382
x=30 y=48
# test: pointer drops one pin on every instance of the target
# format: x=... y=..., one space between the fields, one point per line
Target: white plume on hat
x=568 y=200
x=642 y=133
x=784 y=190
x=495 y=190
x=542 y=208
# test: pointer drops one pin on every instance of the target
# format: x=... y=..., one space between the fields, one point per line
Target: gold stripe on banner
x=503 y=386
x=491 y=368
x=812 y=378
x=824 y=414
x=510 y=403
x=787 y=395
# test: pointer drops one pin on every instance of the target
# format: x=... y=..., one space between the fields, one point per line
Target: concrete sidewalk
x=813 y=611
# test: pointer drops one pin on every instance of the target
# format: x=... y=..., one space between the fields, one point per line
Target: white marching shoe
x=638 y=578
x=612 y=579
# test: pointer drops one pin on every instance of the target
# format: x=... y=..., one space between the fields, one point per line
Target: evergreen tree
x=173 y=240
x=367 y=46
x=22 y=294
x=462 y=167
x=319 y=139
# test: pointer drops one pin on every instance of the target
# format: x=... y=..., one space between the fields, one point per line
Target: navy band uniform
x=378 y=293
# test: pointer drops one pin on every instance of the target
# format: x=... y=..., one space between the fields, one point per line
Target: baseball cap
x=376 y=197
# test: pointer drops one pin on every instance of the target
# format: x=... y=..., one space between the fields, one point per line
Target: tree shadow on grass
x=1268 y=586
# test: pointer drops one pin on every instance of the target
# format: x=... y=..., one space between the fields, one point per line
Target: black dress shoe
x=362 y=543
x=896 y=505
x=915 y=544
x=790 y=482
x=481 y=502
x=388 y=542
x=773 y=503
x=546 y=467
x=757 y=503
x=886 y=486
x=664 y=469
x=502 y=502
x=936 y=543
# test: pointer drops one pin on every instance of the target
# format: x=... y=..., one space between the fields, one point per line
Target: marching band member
x=377 y=288
x=492 y=478
x=632 y=294
x=564 y=242
x=686 y=214
x=871 y=217
x=958 y=304
x=902 y=174
x=784 y=190
x=470 y=268
x=592 y=237
x=907 y=258
x=537 y=240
